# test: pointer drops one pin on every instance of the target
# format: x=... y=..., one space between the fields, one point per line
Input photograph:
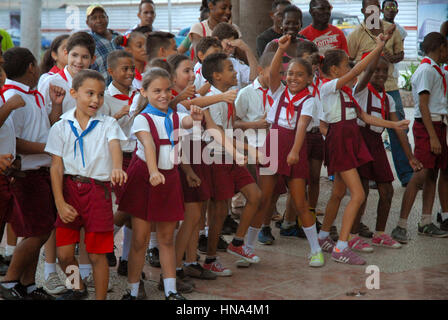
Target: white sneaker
x=54 y=285
x=90 y=283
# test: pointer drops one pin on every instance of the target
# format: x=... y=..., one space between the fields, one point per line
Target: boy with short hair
x=205 y=47
x=86 y=155
x=230 y=41
x=160 y=44
x=227 y=178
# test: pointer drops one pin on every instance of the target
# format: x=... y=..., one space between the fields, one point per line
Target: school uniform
x=44 y=76
x=138 y=79
x=242 y=72
x=284 y=116
x=34 y=208
x=139 y=198
x=380 y=105
x=228 y=178
x=430 y=78
x=199 y=79
x=61 y=79
x=86 y=187
x=314 y=140
x=344 y=146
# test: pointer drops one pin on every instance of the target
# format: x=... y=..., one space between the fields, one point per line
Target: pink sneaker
x=243 y=252
x=326 y=244
x=217 y=268
x=359 y=244
x=384 y=240
x=347 y=256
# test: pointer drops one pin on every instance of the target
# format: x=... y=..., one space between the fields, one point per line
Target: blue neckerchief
x=169 y=127
x=79 y=137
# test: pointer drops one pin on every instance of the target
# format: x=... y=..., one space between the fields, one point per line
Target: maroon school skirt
x=345 y=148
x=284 y=143
x=379 y=169
x=315 y=146
x=127 y=159
x=93 y=203
x=6 y=200
x=229 y=179
x=280 y=186
x=34 y=210
x=422 y=150
x=161 y=203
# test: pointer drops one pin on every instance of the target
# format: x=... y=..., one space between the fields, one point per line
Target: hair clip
x=125 y=41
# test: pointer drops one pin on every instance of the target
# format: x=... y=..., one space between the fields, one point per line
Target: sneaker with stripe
x=243 y=252
x=384 y=240
x=360 y=245
x=327 y=244
x=217 y=268
x=347 y=256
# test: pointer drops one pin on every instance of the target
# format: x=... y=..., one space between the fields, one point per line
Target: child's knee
x=96 y=258
x=139 y=242
x=386 y=193
x=254 y=197
x=358 y=196
x=65 y=256
x=165 y=239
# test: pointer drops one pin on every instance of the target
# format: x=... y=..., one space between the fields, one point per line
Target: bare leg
x=100 y=275
x=189 y=225
x=165 y=236
x=140 y=238
x=333 y=204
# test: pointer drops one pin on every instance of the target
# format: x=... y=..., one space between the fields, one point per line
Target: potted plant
x=406 y=90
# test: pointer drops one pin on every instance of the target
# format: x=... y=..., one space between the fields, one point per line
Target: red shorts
x=201 y=193
x=422 y=150
x=34 y=210
x=96 y=242
x=228 y=179
x=93 y=203
x=6 y=200
x=315 y=146
x=127 y=158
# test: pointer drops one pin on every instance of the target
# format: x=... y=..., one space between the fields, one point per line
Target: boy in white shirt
x=86 y=155
x=206 y=46
x=35 y=214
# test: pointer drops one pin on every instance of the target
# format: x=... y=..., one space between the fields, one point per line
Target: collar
x=433 y=63
x=113 y=90
x=197 y=68
x=68 y=75
x=70 y=115
x=256 y=84
x=18 y=84
x=215 y=90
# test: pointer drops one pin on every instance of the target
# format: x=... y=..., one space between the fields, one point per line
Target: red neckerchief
x=124 y=97
x=446 y=68
x=36 y=93
x=266 y=97
x=138 y=75
x=62 y=74
x=199 y=70
x=1 y=96
x=348 y=91
x=315 y=86
x=325 y=80
x=384 y=111
x=426 y=60
x=229 y=113
x=54 y=70
x=174 y=93
x=290 y=108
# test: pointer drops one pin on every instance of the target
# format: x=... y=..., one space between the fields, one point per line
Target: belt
x=127 y=155
x=314 y=130
x=41 y=170
x=434 y=118
x=82 y=179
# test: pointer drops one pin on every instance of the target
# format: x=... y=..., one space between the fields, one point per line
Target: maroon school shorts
x=6 y=200
x=422 y=150
x=315 y=145
x=228 y=179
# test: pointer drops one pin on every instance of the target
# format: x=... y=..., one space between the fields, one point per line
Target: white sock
x=341 y=245
x=311 y=235
x=426 y=219
x=127 y=237
x=9 y=250
x=30 y=288
x=9 y=285
x=85 y=270
x=186 y=264
x=133 y=288
x=403 y=223
x=116 y=229
x=206 y=231
x=49 y=268
x=153 y=243
x=202 y=232
x=179 y=269
x=444 y=216
x=169 y=286
x=251 y=237
x=323 y=234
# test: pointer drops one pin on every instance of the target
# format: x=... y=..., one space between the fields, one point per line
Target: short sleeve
x=328 y=87
x=422 y=81
x=392 y=107
x=197 y=29
x=55 y=142
x=244 y=71
x=18 y=118
x=308 y=107
x=216 y=114
x=134 y=106
x=140 y=124
x=241 y=104
x=114 y=131
x=181 y=116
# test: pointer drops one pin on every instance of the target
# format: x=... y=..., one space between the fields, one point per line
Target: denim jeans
x=402 y=168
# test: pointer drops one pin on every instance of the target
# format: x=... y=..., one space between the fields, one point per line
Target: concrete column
x=30 y=24
x=253 y=19
x=236 y=12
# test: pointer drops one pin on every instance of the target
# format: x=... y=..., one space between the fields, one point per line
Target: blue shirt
x=102 y=50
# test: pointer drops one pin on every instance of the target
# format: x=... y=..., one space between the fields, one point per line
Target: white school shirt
x=315 y=122
x=331 y=103
x=199 y=79
x=242 y=72
x=97 y=157
x=249 y=108
x=112 y=106
x=31 y=123
x=426 y=78
x=307 y=109
x=57 y=80
x=7 y=136
x=137 y=84
x=362 y=98
x=165 y=161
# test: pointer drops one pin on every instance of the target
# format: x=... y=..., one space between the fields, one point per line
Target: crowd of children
x=163 y=143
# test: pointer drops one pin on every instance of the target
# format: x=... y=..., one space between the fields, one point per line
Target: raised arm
x=276 y=66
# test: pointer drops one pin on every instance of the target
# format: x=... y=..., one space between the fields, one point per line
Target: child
x=290 y=115
x=34 y=213
x=80 y=53
x=160 y=44
x=117 y=101
x=206 y=46
x=227 y=178
x=134 y=43
x=430 y=96
x=80 y=178
x=153 y=193
x=230 y=40
x=345 y=149
x=371 y=96
x=54 y=59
